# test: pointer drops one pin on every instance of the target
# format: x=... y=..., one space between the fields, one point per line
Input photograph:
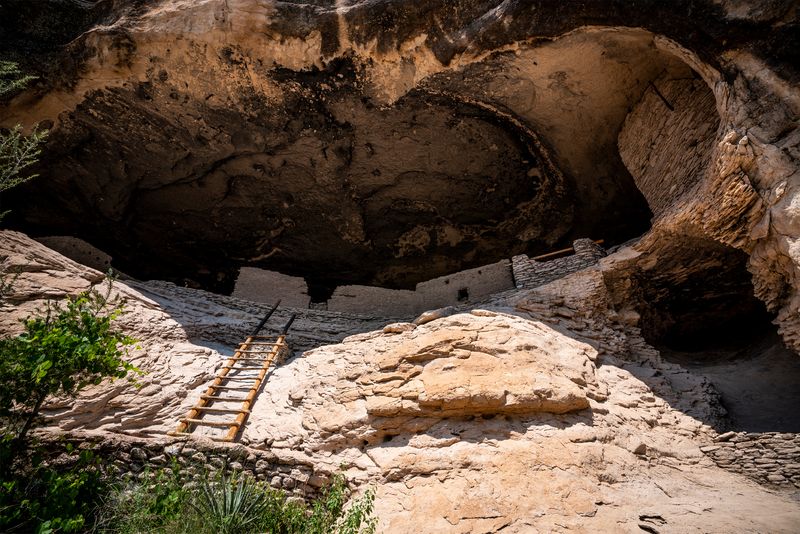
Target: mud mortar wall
x=134 y=458
x=266 y=286
x=767 y=458
x=260 y=285
x=529 y=273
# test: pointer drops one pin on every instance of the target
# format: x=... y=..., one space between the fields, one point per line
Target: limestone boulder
x=478 y=365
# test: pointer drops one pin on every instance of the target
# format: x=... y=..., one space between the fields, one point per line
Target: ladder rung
x=203 y=422
x=258 y=353
x=226 y=377
x=220 y=410
x=223 y=399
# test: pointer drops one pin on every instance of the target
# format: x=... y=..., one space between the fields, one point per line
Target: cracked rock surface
x=543 y=410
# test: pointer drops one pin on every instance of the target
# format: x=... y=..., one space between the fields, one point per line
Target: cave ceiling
x=361 y=147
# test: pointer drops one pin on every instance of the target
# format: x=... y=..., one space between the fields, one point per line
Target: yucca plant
x=232 y=504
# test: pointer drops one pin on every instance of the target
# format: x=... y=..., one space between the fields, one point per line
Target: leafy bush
x=68 y=348
x=235 y=504
x=60 y=352
x=17 y=152
x=43 y=500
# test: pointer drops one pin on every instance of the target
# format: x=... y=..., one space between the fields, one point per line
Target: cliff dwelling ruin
x=398 y=173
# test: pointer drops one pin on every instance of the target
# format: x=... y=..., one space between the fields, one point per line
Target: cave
x=712 y=324
x=515 y=154
x=348 y=171
x=536 y=263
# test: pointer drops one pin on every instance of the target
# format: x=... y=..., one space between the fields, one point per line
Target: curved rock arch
x=746 y=200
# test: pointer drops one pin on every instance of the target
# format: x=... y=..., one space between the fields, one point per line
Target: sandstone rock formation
x=359 y=142
x=387 y=142
x=544 y=411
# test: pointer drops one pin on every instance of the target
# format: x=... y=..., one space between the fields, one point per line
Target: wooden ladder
x=257 y=353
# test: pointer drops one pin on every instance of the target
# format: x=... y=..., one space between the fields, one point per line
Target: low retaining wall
x=126 y=458
x=768 y=457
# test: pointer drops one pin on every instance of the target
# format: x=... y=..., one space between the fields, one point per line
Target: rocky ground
x=541 y=411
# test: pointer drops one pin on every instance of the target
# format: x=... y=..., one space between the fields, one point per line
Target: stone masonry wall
x=78 y=250
x=470 y=285
x=477 y=283
x=374 y=300
x=768 y=457
x=529 y=273
x=129 y=458
x=260 y=285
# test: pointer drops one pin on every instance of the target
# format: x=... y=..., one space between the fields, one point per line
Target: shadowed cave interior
x=339 y=188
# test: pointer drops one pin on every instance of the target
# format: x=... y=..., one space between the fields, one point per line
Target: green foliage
x=230 y=506
x=328 y=513
x=151 y=505
x=12 y=79
x=69 y=346
x=42 y=499
x=235 y=504
x=17 y=152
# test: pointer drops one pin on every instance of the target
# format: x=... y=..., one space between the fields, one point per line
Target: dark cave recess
x=329 y=187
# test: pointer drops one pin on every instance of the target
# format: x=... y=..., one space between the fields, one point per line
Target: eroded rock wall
x=248 y=123
x=550 y=383
x=667 y=140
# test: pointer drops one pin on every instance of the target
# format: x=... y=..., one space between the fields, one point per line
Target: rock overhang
x=299 y=170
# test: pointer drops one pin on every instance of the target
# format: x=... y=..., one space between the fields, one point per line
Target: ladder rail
x=193 y=412
x=269 y=351
x=247 y=403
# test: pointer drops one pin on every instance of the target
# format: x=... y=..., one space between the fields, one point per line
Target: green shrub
x=17 y=152
x=42 y=499
x=155 y=504
x=230 y=504
x=62 y=351
x=12 y=79
x=68 y=347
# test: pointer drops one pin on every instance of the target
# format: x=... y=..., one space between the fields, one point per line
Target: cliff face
x=388 y=142
x=544 y=410
x=391 y=142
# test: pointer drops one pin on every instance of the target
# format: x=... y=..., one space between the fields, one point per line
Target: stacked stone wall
x=530 y=273
x=78 y=250
x=126 y=458
x=768 y=458
x=260 y=285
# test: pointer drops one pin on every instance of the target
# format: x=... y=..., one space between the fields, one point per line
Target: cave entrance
x=700 y=310
x=513 y=154
x=710 y=323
